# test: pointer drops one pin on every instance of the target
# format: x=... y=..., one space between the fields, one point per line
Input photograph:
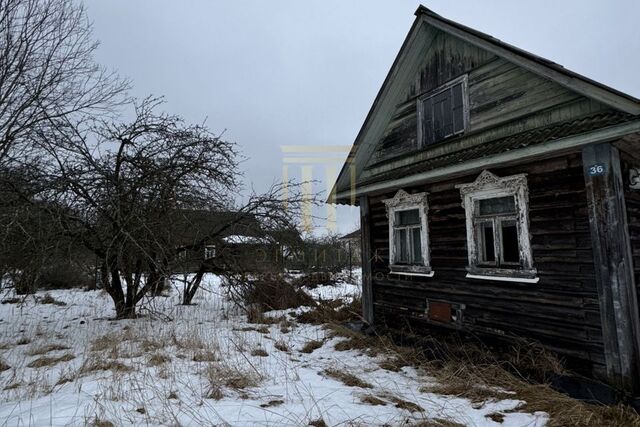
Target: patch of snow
x=239 y=239
x=178 y=392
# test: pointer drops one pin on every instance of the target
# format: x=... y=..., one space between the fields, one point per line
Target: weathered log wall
x=561 y=310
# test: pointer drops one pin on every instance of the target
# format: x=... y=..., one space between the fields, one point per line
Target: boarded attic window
x=443 y=112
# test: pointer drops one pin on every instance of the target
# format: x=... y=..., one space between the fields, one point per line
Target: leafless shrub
x=314 y=279
x=271 y=292
x=318 y=423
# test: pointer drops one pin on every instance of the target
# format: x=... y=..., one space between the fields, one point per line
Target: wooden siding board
x=613 y=265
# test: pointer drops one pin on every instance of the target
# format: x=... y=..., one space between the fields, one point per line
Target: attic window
x=444 y=112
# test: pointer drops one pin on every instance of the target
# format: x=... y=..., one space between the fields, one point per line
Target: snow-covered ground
x=202 y=365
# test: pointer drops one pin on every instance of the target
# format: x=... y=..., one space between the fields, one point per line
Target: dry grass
x=259 y=352
x=318 y=423
x=469 y=370
x=272 y=403
x=4 y=366
x=96 y=365
x=97 y=422
x=48 y=299
x=436 y=422
x=346 y=378
x=12 y=386
x=406 y=405
x=311 y=346
x=370 y=399
x=23 y=341
x=41 y=362
x=205 y=356
x=107 y=342
x=220 y=376
x=158 y=359
x=282 y=346
x=46 y=349
x=332 y=312
x=148 y=345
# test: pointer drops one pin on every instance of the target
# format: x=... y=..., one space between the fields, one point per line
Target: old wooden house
x=499 y=195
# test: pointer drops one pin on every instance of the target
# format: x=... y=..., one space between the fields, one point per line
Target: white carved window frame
x=489 y=186
x=403 y=201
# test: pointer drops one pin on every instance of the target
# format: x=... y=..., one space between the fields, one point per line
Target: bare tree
x=115 y=186
x=47 y=70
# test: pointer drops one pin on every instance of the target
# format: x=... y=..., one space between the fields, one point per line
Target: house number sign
x=597 y=169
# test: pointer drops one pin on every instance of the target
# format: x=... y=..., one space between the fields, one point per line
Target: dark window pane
x=499 y=205
x=410 y=217
x=510 y=246
x=402 y=254
x=417 y=245
x=438 y=120
x=443 y=114
x=487 y=250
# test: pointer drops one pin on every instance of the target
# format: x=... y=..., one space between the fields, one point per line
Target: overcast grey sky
x=301 y=72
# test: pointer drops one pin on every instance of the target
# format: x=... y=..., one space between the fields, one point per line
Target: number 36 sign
x=597 y=169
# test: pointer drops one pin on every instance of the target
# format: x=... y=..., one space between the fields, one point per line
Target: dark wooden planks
x=561 y=311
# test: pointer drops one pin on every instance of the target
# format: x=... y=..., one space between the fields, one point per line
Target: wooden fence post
x=613 y=265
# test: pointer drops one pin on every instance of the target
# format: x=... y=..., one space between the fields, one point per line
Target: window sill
x=404 y=273
x=504 y=278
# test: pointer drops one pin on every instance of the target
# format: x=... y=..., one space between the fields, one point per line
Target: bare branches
x=47 y=71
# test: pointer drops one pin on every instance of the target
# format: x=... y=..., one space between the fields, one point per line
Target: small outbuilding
x=500 y=195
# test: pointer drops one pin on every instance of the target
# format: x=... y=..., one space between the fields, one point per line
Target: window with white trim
x=497 y=218
x=443 y=112
x=408 y=233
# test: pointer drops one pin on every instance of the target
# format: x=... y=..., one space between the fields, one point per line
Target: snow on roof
x=238 y=239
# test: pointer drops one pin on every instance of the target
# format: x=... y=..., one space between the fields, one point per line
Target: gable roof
x=362 y=147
